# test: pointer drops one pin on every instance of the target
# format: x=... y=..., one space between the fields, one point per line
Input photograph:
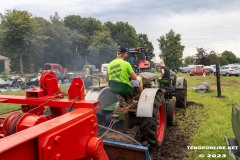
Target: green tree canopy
x=229 y=56
x=171 y=49
x=143 y=39
x=85 y=26
x=189 y=60
x=17 y=36
x=59 y=45
x=102 y=49
x=123 y=34
x=144 y=42
x=201 y=56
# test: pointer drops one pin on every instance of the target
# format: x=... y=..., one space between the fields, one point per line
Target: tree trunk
x=21 y=63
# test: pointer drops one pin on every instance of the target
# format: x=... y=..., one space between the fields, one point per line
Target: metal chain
x=112 y=130
x=109 y=127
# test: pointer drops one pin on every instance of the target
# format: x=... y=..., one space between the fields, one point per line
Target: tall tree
x=229 y=56
x=144 y=42
x=189 y=60
x=36 y=57
x=102 y=48
x=171 y=49
x=212 y=58
x=16 y=36
x=143 y=39
x=73 y=22
x=201 y=56
x=123 y=34
x=59 y=45
x=86 y=26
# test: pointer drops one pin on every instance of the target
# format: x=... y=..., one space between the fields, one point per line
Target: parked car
x=198 y=71
x=54 y=67
x=61 y=73
x=104 y=68
x=185 y=70
x=209 y=68
x=235 y=72
x=227 y=70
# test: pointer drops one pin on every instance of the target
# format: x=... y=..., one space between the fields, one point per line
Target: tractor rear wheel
x=171 y=112
x=152 y=129
x=181 y=96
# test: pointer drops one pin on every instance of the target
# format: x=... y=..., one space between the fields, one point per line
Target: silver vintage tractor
x=122 y=109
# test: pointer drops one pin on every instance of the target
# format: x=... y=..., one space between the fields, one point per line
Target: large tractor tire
x=171 y=112
x=181 y=96
x=152 y=129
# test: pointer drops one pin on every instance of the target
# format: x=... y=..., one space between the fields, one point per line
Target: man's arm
x=163 y=72
x=107 y=77
x=133 y=75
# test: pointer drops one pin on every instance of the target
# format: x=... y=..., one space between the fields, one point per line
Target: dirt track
x=178 y=137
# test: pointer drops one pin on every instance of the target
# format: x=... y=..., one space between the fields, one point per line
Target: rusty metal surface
x=123 y=151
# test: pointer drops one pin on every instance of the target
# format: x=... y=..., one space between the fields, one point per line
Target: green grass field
x=214 y=124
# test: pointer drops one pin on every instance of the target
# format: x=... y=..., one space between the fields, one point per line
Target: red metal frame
x=59 y=135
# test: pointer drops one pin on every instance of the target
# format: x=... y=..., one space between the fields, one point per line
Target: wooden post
x=218 y=80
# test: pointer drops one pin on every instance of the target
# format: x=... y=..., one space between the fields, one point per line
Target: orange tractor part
x=32 y=134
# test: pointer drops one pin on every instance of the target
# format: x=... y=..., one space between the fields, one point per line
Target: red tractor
x=139 y=58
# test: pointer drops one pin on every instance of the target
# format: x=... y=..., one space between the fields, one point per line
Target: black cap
x=122 y=50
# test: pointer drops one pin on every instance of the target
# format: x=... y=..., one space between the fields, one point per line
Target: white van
x=104 y=68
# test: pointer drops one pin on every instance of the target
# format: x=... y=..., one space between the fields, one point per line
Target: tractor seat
x=120 y=88
x=164 y=82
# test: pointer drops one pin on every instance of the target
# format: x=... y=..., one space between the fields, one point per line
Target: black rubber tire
x=181 y=96
x=149 y=125
x=171 y=112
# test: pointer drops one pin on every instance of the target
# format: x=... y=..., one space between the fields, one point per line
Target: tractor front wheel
x=152 y=129
x=181 y=96
x=171 y=112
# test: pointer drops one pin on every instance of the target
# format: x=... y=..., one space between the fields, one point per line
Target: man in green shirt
x=120 y=71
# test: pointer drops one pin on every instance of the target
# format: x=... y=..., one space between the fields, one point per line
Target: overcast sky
x=211 y=24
